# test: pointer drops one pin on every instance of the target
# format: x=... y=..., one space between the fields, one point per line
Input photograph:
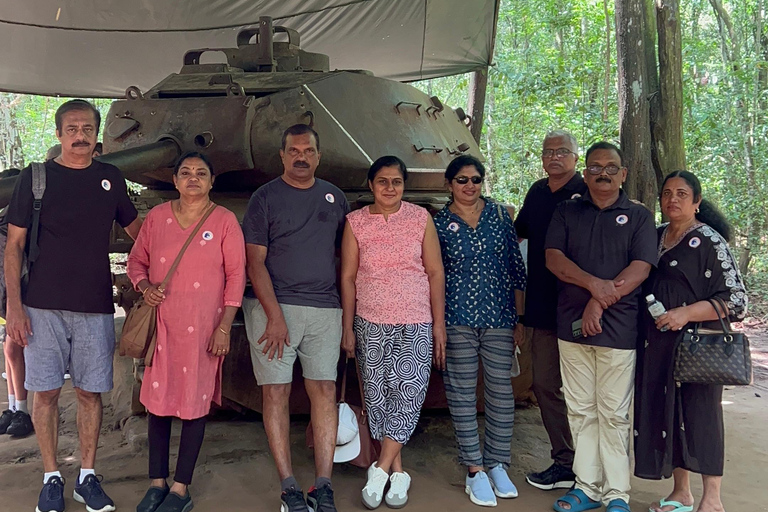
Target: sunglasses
x=463 y=180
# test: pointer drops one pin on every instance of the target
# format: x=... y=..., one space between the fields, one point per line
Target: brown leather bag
x=369 y=447
x=139 y=334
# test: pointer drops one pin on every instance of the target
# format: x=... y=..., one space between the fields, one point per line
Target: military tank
x=235 y=112
x=234 y=103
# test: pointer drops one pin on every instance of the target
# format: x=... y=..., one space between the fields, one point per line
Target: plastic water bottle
x=656 y=309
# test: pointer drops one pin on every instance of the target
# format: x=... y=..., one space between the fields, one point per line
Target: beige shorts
x=315 y=337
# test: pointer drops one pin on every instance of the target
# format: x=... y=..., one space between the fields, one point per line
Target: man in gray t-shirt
x=292 y=229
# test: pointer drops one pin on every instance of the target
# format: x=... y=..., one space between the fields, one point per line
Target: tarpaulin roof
x=98 y=48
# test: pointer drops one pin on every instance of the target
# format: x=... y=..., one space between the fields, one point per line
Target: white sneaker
x=397 y=496
x=373 y=492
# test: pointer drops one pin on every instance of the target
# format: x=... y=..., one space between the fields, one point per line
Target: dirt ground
x=235 y=471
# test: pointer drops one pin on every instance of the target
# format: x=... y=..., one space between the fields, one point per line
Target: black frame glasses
x=596 y=170
x=463 y=180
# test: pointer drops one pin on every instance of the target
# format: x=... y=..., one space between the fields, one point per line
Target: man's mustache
x=78 y=144
x=607 y=180
x=301 y=164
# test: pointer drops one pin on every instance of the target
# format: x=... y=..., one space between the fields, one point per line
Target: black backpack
x=32 y=249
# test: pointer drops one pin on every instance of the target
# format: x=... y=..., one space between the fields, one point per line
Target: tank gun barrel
x=131 y=162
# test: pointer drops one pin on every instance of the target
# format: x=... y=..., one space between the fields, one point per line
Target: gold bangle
x=225 y=332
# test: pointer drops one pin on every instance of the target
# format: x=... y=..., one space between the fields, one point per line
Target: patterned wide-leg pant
x=395 y=364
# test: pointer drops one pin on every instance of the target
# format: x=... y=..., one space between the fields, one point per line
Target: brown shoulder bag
x=140 y=328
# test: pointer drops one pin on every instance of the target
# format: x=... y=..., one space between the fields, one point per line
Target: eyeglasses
x=560 y=152
x=463 y=180
x=594 y=170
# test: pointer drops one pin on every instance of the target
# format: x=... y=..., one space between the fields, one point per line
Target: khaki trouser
x=598 y=384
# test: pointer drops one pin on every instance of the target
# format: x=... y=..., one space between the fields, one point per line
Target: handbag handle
x=717 y=301
x=362 y=391
x=342 y=398
x=162 y=286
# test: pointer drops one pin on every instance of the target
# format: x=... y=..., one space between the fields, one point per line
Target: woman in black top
x=679 y=427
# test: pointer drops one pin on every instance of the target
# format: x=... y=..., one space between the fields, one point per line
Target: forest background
x=556 y=67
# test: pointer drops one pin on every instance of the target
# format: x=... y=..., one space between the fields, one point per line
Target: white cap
x=650 y=298
x=347 y=435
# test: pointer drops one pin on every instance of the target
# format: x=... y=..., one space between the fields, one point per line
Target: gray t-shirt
x=301 y=229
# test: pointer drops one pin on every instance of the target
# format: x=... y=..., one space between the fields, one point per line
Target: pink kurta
x=184 y=377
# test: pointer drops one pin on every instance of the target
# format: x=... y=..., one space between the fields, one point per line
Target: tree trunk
x=490 y=162
x=607 y=83
x=669 y=144
x=634 y=113
x=11 y=150
x=476 y=107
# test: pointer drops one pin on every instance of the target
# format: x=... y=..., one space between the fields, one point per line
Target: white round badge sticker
x=329 y=197
x=576 y=196
x=453 y=227
x=694 y=242
x=621 y=220
x=106 y=185
x=207 y=235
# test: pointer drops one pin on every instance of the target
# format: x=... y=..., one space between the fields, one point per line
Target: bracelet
x=144 y=293
x=225 y=332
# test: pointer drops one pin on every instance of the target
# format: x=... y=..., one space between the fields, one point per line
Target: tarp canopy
x=97 y=48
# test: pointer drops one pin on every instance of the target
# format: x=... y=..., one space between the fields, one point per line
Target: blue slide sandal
x=578 y=501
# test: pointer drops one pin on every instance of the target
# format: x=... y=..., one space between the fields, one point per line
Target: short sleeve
x=20 y=208
x=722 y=276
x=255 y=222
x=557 y=233
x=644 y=239
x=126 y=211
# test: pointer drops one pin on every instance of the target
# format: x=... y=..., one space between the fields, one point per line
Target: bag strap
x=715 y=302
x=184 y=248
x=38 y=189
x=362 y=391
x=342 y=398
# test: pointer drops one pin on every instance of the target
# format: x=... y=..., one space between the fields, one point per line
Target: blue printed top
x=483 y=267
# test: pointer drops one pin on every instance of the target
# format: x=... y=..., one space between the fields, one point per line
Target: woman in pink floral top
x=194 y=317
x=393 y=301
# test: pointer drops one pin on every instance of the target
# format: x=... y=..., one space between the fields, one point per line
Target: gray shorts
x=315 y=337
x=82 y=342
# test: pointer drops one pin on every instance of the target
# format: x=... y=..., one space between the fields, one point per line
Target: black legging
x=159 y=432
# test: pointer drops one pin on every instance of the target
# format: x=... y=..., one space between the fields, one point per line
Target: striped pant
x=395 y=363
x=495 y=347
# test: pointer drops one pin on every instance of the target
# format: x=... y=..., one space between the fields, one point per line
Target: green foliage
x=549 y=74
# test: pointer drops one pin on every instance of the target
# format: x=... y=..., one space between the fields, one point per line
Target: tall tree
x=634 y=111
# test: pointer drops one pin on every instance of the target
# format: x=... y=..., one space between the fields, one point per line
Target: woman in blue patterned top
x=484 y=271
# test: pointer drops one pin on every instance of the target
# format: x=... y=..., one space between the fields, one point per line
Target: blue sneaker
x=52 y=496
x=90 y=493
x=502 y=485
x=479 y=489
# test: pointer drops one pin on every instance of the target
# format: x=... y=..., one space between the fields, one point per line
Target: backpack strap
x=38 y=189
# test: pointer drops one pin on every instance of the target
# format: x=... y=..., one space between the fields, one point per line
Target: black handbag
x=706 y=356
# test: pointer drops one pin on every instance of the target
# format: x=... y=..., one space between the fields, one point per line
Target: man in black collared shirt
x=601 y=248
x=558 y=157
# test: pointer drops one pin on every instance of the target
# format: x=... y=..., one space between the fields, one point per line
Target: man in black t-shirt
x=65 y=316
x=559 y=156
x=601 y=248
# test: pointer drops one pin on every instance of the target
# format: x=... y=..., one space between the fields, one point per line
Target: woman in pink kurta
x=194 y=316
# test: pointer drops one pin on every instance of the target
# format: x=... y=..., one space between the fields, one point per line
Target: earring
x=698 y=211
